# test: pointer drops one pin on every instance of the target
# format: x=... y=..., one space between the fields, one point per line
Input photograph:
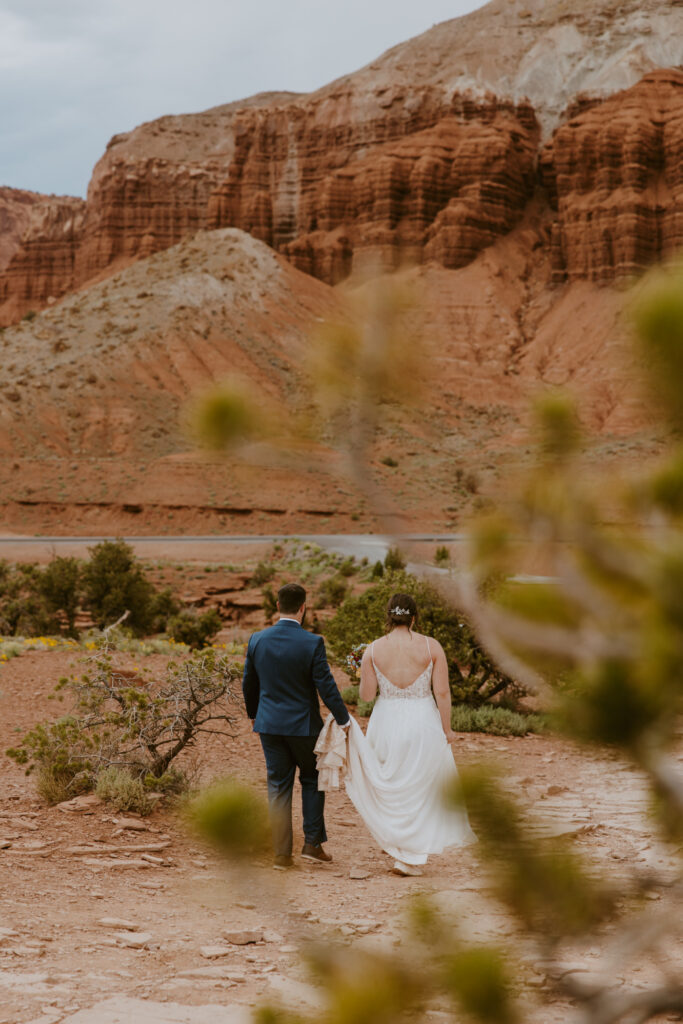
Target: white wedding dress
x=398 y=772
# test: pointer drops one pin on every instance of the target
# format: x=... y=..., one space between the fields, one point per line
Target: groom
x=284 y=671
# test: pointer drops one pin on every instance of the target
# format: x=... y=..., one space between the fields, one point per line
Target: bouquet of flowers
x=354 y=659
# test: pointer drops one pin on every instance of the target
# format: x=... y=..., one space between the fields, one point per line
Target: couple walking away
x=397 y=774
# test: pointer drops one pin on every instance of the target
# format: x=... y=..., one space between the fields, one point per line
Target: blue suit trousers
x=284 y=754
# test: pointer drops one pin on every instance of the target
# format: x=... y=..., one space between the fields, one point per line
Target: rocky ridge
x=428 y=153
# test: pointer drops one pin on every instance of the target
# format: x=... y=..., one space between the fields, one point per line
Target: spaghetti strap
x=429 y=650
x=372 y=655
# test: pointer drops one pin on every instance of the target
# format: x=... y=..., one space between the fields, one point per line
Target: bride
x=397 y=774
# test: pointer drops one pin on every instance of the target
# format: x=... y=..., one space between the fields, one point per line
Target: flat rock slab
x=122 y=1010
x=134 y=940
x=81 y=804
x=243 y=937
x=212 y=974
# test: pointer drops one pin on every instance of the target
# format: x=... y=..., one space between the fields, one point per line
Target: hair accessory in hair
x=400 y=611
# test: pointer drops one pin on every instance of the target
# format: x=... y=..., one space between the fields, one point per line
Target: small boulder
x=243 y=937
x=133 y=940
x=85 y=804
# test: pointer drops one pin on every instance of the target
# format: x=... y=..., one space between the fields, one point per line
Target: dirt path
x=63 y=872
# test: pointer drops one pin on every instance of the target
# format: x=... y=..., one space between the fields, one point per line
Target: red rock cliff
x=428 y=153
x=15 y=213
x=42 y=267
x=410 y=177
x=614 y=174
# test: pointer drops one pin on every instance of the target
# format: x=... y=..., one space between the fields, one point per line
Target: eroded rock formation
x=42 y=267
x=424 y=181
x=614 y=174
x=428 y=154
x=15 y=212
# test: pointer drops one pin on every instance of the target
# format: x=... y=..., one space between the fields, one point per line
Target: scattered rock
x=212 y=973
x=244 y=937
x=214 y=952
x=134 y=940
x=364 y=925
x=271 y=936
x=135 y=824
x=85 y=804
x=5 y=844
x=359 y=874
x=143 y=1011
x=129 y=864
x=117 y=922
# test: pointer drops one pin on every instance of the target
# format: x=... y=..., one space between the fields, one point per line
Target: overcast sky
x=75 y=72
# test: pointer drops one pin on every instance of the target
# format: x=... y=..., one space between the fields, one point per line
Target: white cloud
x=75 y=73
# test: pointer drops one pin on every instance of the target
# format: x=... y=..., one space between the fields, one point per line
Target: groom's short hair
x=291 y=597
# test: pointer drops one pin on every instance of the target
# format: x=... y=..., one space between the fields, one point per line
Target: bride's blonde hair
x=401 y=610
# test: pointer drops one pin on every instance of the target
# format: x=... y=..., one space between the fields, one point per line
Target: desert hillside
x=516 y=168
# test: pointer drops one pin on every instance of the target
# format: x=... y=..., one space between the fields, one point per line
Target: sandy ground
x=62 y=872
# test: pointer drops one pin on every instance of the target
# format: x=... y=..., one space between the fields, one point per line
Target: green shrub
x=269 y=602
x=62 y=760
x=388 y=461
x=495 y=720
x=475 y=679
x=114 y=583
x=394 y=560
x=172 y=782
x=263 y=573
x=59 y=585
x=125 y=792
x=364 y=708
x=164 y=606
x=194 y=630
x=331 y=592
x=442 y=556
x=23 y=610
x=348 y=567
x=377 y=571
x=350 y=695
x=122 y=718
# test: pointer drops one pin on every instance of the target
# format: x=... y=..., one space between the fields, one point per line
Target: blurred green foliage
x=232 y=818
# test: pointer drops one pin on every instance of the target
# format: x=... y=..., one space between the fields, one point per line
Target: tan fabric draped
x=331 y=755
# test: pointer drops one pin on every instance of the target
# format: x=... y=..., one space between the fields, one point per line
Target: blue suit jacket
x=284 y=671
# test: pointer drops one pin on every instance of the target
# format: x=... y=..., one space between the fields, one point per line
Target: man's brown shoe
x=315 y=853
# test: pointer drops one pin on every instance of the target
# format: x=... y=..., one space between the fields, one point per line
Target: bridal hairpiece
x=400 y=611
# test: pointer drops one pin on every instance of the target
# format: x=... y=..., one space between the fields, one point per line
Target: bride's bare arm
x=442 y=691
x=368 y=680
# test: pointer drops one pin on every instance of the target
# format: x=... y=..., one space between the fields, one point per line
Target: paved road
x=212 y=549
x=360 y=545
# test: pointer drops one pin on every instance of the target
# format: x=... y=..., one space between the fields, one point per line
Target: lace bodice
x=420 y=688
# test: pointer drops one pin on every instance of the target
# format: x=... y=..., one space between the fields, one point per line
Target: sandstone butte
x=428 y=154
